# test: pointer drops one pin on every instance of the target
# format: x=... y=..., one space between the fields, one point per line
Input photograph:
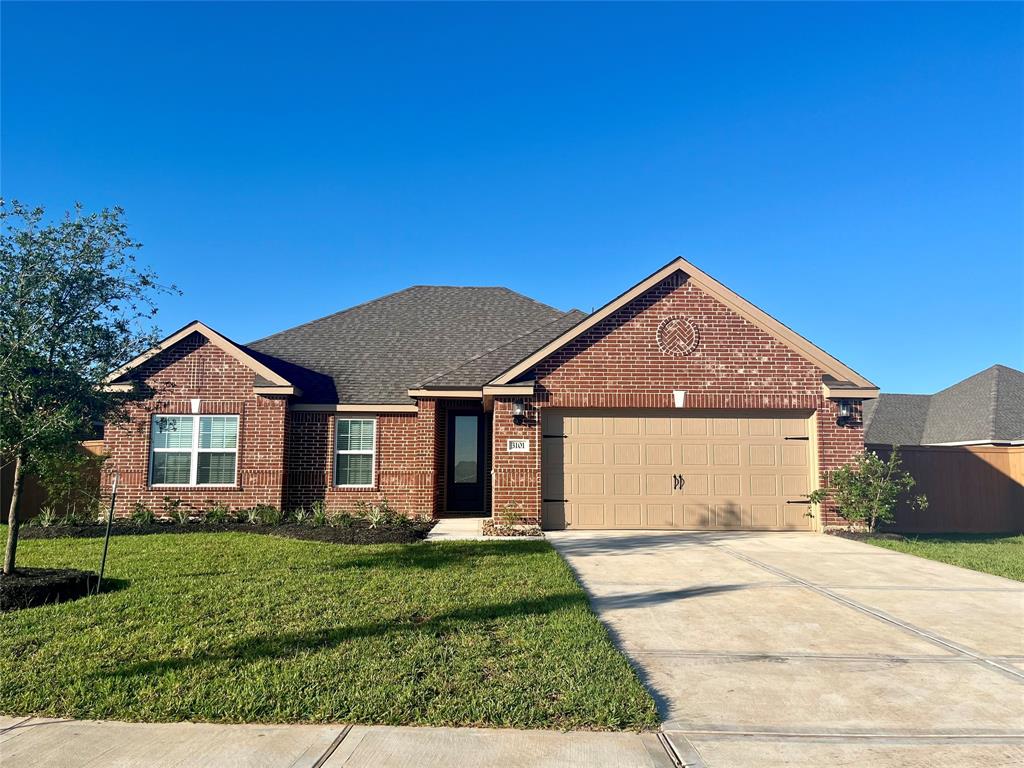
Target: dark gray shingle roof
x=375 y=352
x=488 y=365
x=988 y=406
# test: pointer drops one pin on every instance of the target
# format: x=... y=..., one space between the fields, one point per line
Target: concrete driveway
x=806 y=650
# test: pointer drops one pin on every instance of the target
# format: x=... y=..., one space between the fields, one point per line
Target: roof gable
x=836 y=374
x=266 y=379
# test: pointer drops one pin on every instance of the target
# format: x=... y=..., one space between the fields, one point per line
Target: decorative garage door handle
x=677 y=482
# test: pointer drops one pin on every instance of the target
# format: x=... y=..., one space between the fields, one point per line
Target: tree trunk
x=13 y=523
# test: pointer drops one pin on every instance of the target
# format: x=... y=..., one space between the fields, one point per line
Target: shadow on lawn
x=291 y=643
x=283 y=645
x=432 y=555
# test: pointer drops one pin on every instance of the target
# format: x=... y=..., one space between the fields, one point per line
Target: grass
x=1000 y=555
x=233 y=627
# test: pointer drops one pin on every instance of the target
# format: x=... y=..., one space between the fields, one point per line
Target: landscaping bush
x=142 y=515
x=217 y=513
x=867 y=490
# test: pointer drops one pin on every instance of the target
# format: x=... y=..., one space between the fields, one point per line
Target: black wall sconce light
x=845 y=409
x=518 y=412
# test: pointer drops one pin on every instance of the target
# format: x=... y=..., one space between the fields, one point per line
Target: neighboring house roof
x=376 y=352
x=987 y=407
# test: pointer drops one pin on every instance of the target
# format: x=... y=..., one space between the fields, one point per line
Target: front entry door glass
x=465 y=449
x=465 y=463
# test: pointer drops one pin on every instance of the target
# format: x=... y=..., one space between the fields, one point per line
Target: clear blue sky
x=857 y=171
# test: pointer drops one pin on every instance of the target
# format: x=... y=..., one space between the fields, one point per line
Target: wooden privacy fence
x=33 y=495
x=970 y=489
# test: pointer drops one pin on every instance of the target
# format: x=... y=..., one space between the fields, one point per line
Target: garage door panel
x=659 y=485
x=590 y=515
x=590 y=453
x=658 y=427
x=764 y=485
x=588 y=484
x=667 y=470
x=694 y=455
x=627 y=484
x=660 y=516
x=761 y=455
x=765 y=516
x=658 y=455
x=793 y=427
x=727 y=427
x=796 y=515
x=729 y=515
x=625 y=426
x=695 y=485
x=726 y=455
x=627 y=516
x=698 y=516
x=795 y=455
x=727 y=485
x=794 y=486
x=626 y=454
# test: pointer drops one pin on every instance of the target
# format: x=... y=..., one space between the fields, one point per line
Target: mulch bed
x=359 y=532
x=27 y=587
x=490 y=528
x=865 y=536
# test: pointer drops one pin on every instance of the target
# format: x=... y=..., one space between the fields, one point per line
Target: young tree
x=73 y=306
x=868 y=489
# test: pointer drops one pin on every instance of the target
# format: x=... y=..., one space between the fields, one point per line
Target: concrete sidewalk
x=45 y=743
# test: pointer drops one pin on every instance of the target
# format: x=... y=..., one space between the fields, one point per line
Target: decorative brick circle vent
x=677 y=336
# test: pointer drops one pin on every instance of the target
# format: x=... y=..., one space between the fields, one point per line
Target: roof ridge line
x=469 y=360
x=336 y=314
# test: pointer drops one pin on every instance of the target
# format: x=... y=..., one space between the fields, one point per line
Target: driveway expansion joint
x=985 y=661
x=333 y=747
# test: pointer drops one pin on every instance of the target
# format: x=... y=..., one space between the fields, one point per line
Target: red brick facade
x=405 y=462
x=195 y=368
x=285 y=456
x=618 y=364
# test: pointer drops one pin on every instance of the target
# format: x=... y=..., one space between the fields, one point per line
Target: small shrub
x=176 y=510
x=300 y=516
x=77 y=516
x=250 y=515
x=380 y=514
x=318 y=514
x=341 y=520
x=509 y=515
x=217 y=514
x=263 y=514
x=142 y=515
x=46 y=518
x=867 y=490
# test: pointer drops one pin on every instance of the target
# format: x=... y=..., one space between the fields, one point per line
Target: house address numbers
x=518 y=446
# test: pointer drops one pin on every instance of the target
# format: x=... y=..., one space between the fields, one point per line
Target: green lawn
x=1001 y=555
x=236 y=627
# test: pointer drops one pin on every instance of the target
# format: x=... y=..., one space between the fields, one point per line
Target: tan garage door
x=660 y=469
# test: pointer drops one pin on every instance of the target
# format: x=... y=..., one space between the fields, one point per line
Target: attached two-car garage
x=660 y=469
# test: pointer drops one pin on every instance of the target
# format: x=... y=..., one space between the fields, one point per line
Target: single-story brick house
x=678 y=404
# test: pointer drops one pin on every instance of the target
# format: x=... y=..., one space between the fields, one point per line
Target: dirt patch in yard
x=27 y=587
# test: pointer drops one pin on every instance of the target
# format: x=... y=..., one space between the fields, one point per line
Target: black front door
x=465 y=462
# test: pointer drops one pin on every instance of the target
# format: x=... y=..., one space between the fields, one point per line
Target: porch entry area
x=466 y=466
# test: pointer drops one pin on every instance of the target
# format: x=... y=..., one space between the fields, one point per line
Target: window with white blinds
x=354 y=445
x=193 y=450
